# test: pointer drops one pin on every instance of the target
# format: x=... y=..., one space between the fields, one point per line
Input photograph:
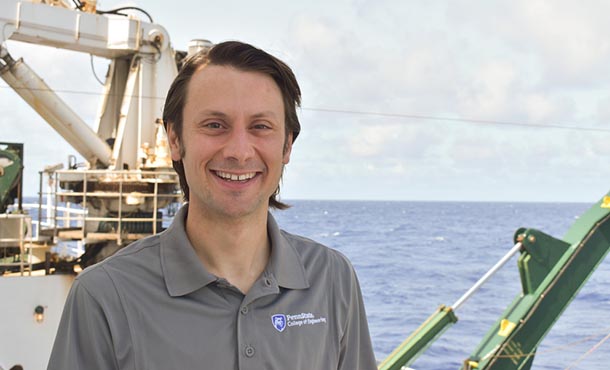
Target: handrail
x=23 y=242
x=117 y=196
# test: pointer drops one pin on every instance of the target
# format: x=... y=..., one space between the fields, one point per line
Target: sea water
x=411 y=257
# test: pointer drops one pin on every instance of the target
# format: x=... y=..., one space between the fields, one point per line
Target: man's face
x=233 y=141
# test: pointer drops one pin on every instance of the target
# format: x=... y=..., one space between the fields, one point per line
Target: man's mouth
x=235 y=177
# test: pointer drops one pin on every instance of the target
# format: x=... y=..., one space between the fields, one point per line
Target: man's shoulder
x=140 y=255
x=314 y=253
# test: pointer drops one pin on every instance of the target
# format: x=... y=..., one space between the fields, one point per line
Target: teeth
x=234 y=177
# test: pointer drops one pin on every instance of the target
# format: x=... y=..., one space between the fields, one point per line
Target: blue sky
x=540 y=64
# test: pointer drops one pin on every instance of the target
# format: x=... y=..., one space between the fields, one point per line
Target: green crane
x=11 y=168
x=552 y=272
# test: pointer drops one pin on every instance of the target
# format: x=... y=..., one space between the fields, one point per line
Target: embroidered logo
x=279 y=322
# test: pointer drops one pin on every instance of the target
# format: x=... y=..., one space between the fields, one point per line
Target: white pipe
x=487 y=275
x=50 y=106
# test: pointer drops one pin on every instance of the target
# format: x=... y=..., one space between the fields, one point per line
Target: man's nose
x=239 y=146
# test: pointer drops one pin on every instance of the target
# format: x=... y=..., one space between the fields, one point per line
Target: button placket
x=248 y=319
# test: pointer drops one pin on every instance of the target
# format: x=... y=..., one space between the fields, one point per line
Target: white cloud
x=571 y=36
x=490 y=92
x=371 y=141
x=517 y=61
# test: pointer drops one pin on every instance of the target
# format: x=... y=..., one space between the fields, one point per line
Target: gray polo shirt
x=154 y=306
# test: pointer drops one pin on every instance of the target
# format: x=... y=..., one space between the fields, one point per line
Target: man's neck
x=236 y=249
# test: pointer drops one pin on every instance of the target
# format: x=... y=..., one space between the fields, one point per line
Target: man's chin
x=238 y=209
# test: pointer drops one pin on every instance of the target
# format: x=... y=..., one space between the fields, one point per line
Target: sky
x=402 y=100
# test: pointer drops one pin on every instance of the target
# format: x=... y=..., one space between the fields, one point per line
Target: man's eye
x=262 y=126
x=213 y=125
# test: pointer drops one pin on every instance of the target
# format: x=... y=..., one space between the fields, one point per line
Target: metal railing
x=16 y=232
x=110 y=203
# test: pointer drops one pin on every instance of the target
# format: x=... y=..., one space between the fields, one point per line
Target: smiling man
x=223 y=287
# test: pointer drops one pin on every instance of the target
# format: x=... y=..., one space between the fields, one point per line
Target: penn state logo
x=279 y=322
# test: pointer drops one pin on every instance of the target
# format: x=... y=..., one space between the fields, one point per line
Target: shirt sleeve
x=84 y=339
x=356 y=348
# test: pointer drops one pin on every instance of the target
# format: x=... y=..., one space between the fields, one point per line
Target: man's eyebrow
x=213 y=113
x=220 y=114
x=263 y=114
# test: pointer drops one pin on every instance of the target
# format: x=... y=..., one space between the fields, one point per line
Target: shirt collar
x=182 y=270
x=285 y=262
x=184 y=273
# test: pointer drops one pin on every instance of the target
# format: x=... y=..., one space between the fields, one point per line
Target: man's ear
x=174 y=142
x=287 y=149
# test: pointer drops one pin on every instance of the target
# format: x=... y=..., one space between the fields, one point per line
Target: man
x=222 y=287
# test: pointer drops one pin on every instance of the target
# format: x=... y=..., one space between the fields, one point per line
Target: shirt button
x=249 y=351
x=244 y=310
x=267 y=282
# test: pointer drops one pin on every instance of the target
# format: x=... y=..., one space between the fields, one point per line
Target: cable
x=76 y=92
x=566 y=346
x=591 y=350
x=93 y=70
x=117 y=11
x=455 y=119
x=154 y=58
x=391 y=115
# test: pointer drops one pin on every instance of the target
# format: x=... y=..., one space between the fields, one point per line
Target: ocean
x=411 y=257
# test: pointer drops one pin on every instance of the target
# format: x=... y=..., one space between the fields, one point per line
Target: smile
x=235 y=177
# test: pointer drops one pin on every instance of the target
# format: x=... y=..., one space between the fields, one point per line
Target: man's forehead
x=211 y=85
x=215 y=72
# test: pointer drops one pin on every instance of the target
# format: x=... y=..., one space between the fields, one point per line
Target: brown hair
x=244 y=57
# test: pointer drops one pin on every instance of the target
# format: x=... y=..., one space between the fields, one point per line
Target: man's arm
x=84 y=339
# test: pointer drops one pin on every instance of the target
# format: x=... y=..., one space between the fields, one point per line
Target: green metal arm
x=11 y=158
x=421 y=339
x=436 y=324
x=552 y=272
